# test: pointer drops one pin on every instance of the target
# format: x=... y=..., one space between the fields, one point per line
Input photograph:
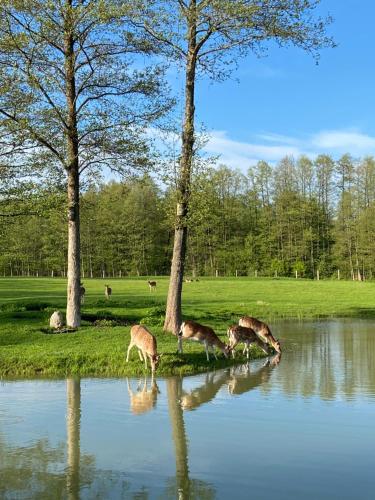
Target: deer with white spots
x=262 y=330
x=190 y=330
x=145 y=342
x=242 y=335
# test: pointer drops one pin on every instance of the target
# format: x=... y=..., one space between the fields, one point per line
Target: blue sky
x=286 y=104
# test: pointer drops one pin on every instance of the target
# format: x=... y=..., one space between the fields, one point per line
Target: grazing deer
x=241 y=334
x=82 y=291
x=107 y=292
x=190 y=330
x=146 y=345
x=152 y=285
x=143 y=400
x=262 y=330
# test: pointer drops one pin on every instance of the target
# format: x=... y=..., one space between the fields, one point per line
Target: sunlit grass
x=99 y=347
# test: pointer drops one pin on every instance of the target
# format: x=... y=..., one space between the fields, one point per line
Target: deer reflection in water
x=213 y=382
x=243 y=379
x=144 y=398
x=239 y=380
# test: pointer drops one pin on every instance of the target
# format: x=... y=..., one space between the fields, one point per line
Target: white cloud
x=272 y=147
x=241 y=155
x=350 y=141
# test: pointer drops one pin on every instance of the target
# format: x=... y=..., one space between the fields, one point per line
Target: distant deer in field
x=145 y=399
x=82 y=291
x=241 y=334
x=190 y=330
x=107 y=292
x=145 y=342
x=262 y=330
x=152 y=285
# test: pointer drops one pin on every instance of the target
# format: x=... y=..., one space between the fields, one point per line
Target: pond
x=299 y=426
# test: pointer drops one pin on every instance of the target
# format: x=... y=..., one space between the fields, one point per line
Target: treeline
x=301 y=217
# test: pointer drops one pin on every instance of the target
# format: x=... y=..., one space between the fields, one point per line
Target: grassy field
x=27 y=349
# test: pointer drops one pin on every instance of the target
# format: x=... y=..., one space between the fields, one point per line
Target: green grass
x=98 y=348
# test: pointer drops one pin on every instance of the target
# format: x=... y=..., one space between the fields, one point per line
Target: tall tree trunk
x=173 y=311
x=73 y=312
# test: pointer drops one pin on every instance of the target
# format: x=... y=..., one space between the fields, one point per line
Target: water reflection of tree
x=43 y=471
x=183 y=487
x=73 y=419
x=239 y=380
x=26 y=471
x=328 y=359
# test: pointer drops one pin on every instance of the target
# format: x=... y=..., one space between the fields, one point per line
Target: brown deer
x=190 y=330
x=262 y=330
x=145 y=399
x=107 y=292
x=241 y=334
x=145 y=342
x=82 y=291
x=152 y=285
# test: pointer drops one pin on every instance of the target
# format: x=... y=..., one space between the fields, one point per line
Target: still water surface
x=300 y=427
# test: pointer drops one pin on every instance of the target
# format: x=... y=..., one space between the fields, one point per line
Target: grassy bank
x=98 y=348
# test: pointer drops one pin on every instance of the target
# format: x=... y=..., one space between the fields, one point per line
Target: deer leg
x=247 y=350
x=140 y=354
x=145 y=356
x=233 y=345
x=206 y=347
x=179 y=345
x=127 y=354
x=214 y=353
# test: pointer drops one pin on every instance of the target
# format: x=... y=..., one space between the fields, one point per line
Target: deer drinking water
x=190 y=330
x=241 y=334
x=262 y=330
x=146 y=345
x=107 y=291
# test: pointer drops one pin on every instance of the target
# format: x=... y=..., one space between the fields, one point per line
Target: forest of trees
x=302 y=216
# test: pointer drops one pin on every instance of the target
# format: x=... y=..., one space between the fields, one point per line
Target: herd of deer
x=248 y=331
x=108 y=290
x=82 y=292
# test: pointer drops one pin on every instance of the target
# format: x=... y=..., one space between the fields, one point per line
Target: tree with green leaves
x=207 y=37
x=73 y=95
